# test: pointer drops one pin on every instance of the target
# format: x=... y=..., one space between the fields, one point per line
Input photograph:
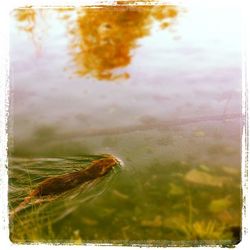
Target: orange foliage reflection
x=29 y=21
x=104 y=37
x=26 y=18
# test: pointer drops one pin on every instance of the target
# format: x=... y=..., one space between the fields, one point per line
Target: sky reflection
x=190 y=70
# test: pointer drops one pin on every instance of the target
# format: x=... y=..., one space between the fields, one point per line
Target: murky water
x=159 y=88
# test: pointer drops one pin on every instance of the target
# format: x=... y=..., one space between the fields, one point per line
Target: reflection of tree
x=26 y=17
x=104 y=37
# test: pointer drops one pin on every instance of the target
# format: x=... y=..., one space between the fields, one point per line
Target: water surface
x=160 y=88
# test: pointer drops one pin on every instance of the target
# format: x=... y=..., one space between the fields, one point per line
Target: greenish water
x=164 y=204
x=158 y=88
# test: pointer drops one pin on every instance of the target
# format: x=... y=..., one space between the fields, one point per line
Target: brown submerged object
x=57 y=185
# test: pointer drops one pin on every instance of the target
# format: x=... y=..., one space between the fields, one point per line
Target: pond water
x=157 y=87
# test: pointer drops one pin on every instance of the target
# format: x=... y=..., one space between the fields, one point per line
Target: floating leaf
x=120 y=194
x=219 y=205
x=231 y=170
x=175 y=190
x=202 y=178
x=204 y=168
x=156 y=222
